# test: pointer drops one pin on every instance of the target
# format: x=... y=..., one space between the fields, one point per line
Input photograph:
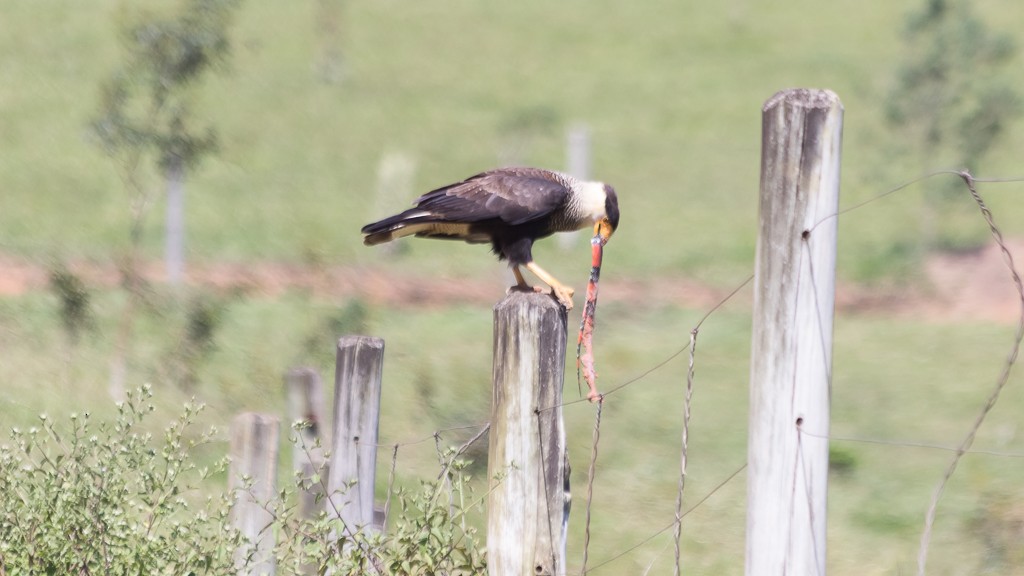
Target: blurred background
x=283 y=128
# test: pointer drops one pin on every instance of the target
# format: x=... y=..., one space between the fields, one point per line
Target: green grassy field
x=672 y=92
x=900 y=381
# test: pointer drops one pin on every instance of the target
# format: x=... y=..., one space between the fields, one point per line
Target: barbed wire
x=965 y=447
x=910 y=444
x=714 y=490
x=959 y=451
x=1001 y=382
x=685 y=443
x=676 y=521
x=590 y=485
x=809 y=495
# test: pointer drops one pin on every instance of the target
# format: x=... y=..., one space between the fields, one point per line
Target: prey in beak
x=603 y=230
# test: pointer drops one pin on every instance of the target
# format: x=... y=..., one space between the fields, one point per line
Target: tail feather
x=394 y=227
x=421 y=224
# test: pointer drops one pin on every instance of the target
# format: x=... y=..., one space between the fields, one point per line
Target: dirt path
x=960 y=286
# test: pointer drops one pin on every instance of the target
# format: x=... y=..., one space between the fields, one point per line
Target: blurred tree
x=75 y=312
x=204 y=316
x=75 y=304
x=954 y=97
x=145 y=117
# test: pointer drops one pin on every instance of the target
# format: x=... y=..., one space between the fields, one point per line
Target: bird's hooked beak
x=603 y=230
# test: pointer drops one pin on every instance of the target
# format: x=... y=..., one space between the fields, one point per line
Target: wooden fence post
x=254 y=449
x=791 y=355
x=305 y=393
x=357 y=385
x=529 y=508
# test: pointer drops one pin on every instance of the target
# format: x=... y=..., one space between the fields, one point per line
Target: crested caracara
x=508 y=208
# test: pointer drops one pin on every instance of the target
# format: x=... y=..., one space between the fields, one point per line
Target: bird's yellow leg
x=519 y=277
x=521 y=283
x=561 y=291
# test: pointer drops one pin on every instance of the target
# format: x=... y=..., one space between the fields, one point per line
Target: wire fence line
x=675 y=522
x=1000 y=384
x=684 y=443
x=960 y=451
x=675 y=519
x=802 y=460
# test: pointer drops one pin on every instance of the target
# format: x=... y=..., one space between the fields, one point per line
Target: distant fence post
x=174 y=241
x=396 y=179
x=254 y=449
x=357 y=386
x=305 y=393
x=791 y=355
x=528 y=510
x=577 y=152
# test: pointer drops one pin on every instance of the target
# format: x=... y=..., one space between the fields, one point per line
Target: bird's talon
x=564 y=295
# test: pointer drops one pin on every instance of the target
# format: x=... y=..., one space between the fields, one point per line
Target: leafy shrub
x=430 y=536
x=108 y=498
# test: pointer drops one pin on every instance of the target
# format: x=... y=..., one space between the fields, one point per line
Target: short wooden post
x=305 y=393
x=357 y=385
x=254 y=449
x=529 y=508
x=791 y=356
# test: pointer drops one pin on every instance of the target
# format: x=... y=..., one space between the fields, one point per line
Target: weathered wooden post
x=791 y=356
x=357 y=385
x=528 y=511
x=254 y=449
x=305 y=393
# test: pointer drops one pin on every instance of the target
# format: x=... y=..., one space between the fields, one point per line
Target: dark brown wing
x=513 y=195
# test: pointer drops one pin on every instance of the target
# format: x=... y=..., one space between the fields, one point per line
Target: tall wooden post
x=357 y=388
x=529 y=508
x=791 y=356
x=254 y=449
